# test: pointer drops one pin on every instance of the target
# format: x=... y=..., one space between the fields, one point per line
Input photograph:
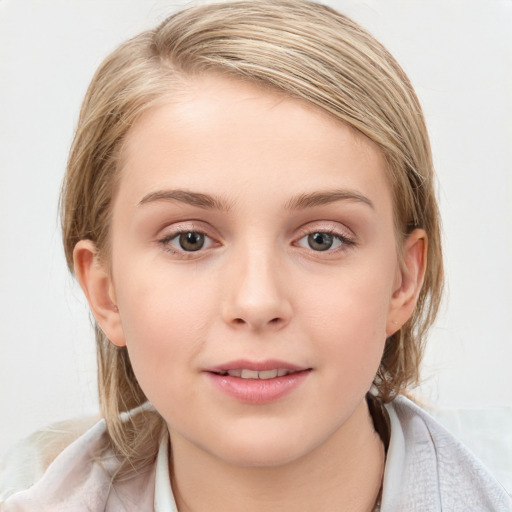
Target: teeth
x=249 y=374
x=255 y=374
x=268 y=374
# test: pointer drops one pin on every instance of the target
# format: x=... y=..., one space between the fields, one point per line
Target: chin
x=260 y=451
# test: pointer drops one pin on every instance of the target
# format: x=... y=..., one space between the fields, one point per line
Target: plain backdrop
x=458 y=54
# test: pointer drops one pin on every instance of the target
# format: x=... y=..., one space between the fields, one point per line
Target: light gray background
x=458 y=54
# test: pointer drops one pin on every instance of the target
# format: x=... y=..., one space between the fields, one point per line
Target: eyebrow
x=326 y=197
x=205 y=201
x=210 y=202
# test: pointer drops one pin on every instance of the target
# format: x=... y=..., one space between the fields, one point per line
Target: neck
x=345 y=472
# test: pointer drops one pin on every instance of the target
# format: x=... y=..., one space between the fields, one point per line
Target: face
x=254 y=267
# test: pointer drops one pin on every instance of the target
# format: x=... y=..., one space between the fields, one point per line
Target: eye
x=187 y=241
x=323 y=241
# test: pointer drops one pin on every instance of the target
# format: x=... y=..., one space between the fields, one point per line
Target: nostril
x=273 y=321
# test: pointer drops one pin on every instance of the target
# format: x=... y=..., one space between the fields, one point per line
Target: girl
x=249 y=209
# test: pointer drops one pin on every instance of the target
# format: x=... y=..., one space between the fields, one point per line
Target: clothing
x=427 y=470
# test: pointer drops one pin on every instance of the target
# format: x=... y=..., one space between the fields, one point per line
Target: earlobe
x=98 y=288
x=409 y=282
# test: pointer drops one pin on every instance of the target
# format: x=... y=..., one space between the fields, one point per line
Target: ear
x=97 y=285
x=409 y=281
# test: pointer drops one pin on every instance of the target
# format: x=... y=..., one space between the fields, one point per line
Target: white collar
x=164 y=499
x=425 y=469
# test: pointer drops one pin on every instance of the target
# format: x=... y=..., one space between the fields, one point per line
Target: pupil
x=191 y=241
x=320 y=241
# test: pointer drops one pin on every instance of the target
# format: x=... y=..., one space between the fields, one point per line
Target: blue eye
x=322 y=241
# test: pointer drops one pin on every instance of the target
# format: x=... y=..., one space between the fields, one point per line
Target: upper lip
x=243 y=364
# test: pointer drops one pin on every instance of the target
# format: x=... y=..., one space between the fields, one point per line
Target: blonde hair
x=304 y=50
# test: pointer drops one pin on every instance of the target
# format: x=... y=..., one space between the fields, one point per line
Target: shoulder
x=80 y=477
x=26 y=462
x=428 y=469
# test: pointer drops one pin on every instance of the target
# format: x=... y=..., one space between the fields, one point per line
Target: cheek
x=350 y=304
x=348 y=326
x=165 y=320
x=160 y=300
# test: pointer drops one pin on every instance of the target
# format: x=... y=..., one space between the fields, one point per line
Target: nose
x=256 y=295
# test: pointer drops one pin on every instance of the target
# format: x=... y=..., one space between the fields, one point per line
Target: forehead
x=222 y=133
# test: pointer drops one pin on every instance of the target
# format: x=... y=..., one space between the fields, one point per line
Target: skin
x=257 y=290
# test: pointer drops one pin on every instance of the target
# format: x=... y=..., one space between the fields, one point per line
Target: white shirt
x=427 y=470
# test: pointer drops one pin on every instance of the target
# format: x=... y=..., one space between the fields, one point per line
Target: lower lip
x=258 y=391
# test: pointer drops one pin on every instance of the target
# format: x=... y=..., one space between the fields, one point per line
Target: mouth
x=245 y=373
x=257 y=370
x=258 y=383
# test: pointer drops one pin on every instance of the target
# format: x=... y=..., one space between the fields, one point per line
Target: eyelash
x=343 y=241
x=165 y=242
